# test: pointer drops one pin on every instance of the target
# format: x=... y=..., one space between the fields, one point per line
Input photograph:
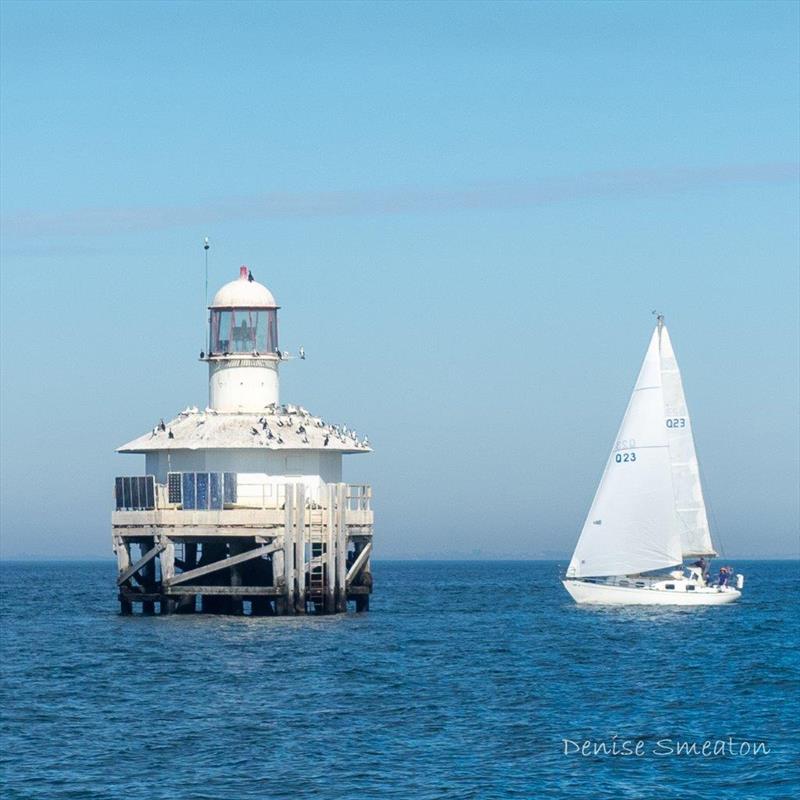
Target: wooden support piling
x=147 y=575
x=289 y=548
x=299 y=519
x=186 y=604
x=330 y=551
x=341 y=549
x=236 y=550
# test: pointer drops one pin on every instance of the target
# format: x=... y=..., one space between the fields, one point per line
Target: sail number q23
x=629 y=444
x=625 y=457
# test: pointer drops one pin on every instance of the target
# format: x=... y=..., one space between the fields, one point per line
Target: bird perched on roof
x=254 y=431
x=325 y=441
x=280 y=440
x=171 y=435
x=162 y=426
x=250 y=275
x=301 y=429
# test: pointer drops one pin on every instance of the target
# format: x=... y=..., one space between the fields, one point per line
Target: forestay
x=632 y=526
x=688 y=492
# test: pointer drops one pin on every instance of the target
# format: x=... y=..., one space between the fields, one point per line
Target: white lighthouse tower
x=242 y=506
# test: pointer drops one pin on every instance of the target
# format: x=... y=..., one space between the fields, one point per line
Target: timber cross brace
x=300 y=558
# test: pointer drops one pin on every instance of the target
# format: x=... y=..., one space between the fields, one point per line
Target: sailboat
x=648 y=514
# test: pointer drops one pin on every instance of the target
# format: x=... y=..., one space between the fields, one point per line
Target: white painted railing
x=263 y=495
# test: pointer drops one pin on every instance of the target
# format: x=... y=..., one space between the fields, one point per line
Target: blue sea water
x=462 y=682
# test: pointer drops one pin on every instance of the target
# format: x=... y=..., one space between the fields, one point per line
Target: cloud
x=486 y=196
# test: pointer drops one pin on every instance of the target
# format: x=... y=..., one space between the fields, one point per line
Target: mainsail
x=632 y=526
x=689 y=504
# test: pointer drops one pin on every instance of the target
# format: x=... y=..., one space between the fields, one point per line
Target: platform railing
x=249 y=495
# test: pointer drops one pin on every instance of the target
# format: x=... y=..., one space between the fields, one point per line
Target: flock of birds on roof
x=285 y=418
x=281 y=355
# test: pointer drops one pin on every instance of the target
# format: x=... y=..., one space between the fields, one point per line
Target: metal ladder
x=316 y=573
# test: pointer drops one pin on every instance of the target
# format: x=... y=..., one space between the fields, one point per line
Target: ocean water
x=462 y=682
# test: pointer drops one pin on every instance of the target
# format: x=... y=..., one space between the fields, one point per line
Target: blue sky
x=467 y=212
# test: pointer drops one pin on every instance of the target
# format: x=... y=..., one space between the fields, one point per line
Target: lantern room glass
x=244 y=330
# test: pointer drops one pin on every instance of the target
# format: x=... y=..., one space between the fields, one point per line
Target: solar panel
x=149 y=492
x=202 y=490
x=174 y=487
x=215 y=494
x=141 y=491
x=188 y=489
x=230 y=487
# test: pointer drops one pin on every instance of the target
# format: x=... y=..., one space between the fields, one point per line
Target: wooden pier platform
x=297 y=555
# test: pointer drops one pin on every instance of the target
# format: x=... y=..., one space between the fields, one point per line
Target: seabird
x=250 y=275
x=162 y=426
x=171 y=434
x=254 y=431
x=326 y=440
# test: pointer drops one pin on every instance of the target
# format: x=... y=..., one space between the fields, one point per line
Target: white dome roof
x=243 y=293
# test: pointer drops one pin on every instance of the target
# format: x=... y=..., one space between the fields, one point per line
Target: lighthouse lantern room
x=243 y=354
x=242 y=508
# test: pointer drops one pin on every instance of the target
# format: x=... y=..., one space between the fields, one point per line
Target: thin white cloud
x=486 y=196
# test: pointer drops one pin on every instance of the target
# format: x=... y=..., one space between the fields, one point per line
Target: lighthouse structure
x=242 y=508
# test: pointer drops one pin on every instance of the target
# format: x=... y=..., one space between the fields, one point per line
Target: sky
x=467 y=212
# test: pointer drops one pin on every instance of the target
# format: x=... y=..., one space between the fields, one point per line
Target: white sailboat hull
x=608 y=594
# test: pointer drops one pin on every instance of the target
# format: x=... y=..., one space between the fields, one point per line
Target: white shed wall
x=260 y=471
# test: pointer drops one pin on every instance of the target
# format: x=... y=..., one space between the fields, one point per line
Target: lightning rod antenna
x=206 y=247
